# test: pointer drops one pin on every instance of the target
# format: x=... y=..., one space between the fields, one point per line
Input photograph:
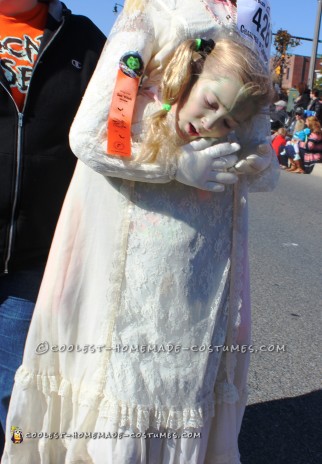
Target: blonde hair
x=311 y=119
x=315 y=127
x=229 y=57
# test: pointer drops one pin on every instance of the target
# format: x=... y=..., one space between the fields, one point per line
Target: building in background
x=297 y=70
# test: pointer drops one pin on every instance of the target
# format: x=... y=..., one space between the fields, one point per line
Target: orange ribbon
x=120 y=116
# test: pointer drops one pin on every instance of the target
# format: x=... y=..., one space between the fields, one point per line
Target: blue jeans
x=18 y=294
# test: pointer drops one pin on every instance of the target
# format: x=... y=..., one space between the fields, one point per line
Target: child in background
x=299 y=122
x=292 y=148
x=311 y=149
x=278 y=143
x=292 y=151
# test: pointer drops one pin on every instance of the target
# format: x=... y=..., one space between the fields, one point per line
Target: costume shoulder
x=133 y=32
x=140 y=5
x=135 y=5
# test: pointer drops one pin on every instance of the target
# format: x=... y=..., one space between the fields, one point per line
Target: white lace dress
x=147 y=279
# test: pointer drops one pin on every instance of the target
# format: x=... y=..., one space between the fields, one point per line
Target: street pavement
x=317 y=171
x=283 y=419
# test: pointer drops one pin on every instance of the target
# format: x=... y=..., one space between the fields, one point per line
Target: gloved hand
x=257 y=152
x=259 y=159
x=204 y=166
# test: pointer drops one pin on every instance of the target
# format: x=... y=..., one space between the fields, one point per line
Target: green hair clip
x=198 y=44
x=204 y=46
x=166 y=106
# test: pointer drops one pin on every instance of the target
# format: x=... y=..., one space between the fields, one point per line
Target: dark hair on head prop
x=204 y=46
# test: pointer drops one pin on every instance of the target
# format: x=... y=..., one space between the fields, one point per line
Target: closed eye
x=212 y=104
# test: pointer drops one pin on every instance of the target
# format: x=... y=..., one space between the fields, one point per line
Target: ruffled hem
x=143 y=417
x=48 y=384
x=134 y=416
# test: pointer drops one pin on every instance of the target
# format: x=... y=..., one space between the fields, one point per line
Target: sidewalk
x=317 y=171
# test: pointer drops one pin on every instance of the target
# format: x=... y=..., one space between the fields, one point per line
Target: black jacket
x=316 y=105
x=278 y=119
x=36 y=163
x=303 y=100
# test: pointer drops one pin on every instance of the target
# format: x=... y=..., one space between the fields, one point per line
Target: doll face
x=208 y=109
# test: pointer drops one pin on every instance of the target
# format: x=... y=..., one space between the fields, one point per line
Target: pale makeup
x=209 y=110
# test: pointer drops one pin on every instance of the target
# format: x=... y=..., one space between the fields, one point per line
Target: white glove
x=257 y=152
x=204 y=166
x=256 y=162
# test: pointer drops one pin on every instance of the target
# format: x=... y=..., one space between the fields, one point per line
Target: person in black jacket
x=316 y=104
x=47 y=58
x=303 y=99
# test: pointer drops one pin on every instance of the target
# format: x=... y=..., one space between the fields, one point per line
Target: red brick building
x=297 y=70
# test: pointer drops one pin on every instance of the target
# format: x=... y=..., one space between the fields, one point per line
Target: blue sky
x=297 y=17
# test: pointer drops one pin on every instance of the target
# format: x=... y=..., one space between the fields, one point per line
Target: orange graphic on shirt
x=20 y=39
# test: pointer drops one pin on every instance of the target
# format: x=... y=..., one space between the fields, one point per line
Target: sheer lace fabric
x=168 y=283
x=149 y=263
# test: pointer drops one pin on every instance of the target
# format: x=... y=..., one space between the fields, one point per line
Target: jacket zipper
x=15 y=199
x=19 y=151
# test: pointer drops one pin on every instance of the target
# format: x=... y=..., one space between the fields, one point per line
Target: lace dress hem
x=135 y=416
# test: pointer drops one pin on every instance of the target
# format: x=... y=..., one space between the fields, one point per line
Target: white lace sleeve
x=251 y=134
x=88 y=135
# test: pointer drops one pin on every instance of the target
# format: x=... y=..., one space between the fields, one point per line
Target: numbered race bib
x=254 y=24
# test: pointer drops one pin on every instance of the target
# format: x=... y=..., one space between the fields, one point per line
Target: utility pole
x=315 y=45
x=282 y=66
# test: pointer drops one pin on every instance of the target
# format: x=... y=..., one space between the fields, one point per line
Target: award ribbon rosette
x=122 y=106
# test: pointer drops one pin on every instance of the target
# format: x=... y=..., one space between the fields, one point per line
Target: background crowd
x=296 y=129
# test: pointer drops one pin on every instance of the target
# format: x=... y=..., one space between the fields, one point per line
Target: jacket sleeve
x=88 y=136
